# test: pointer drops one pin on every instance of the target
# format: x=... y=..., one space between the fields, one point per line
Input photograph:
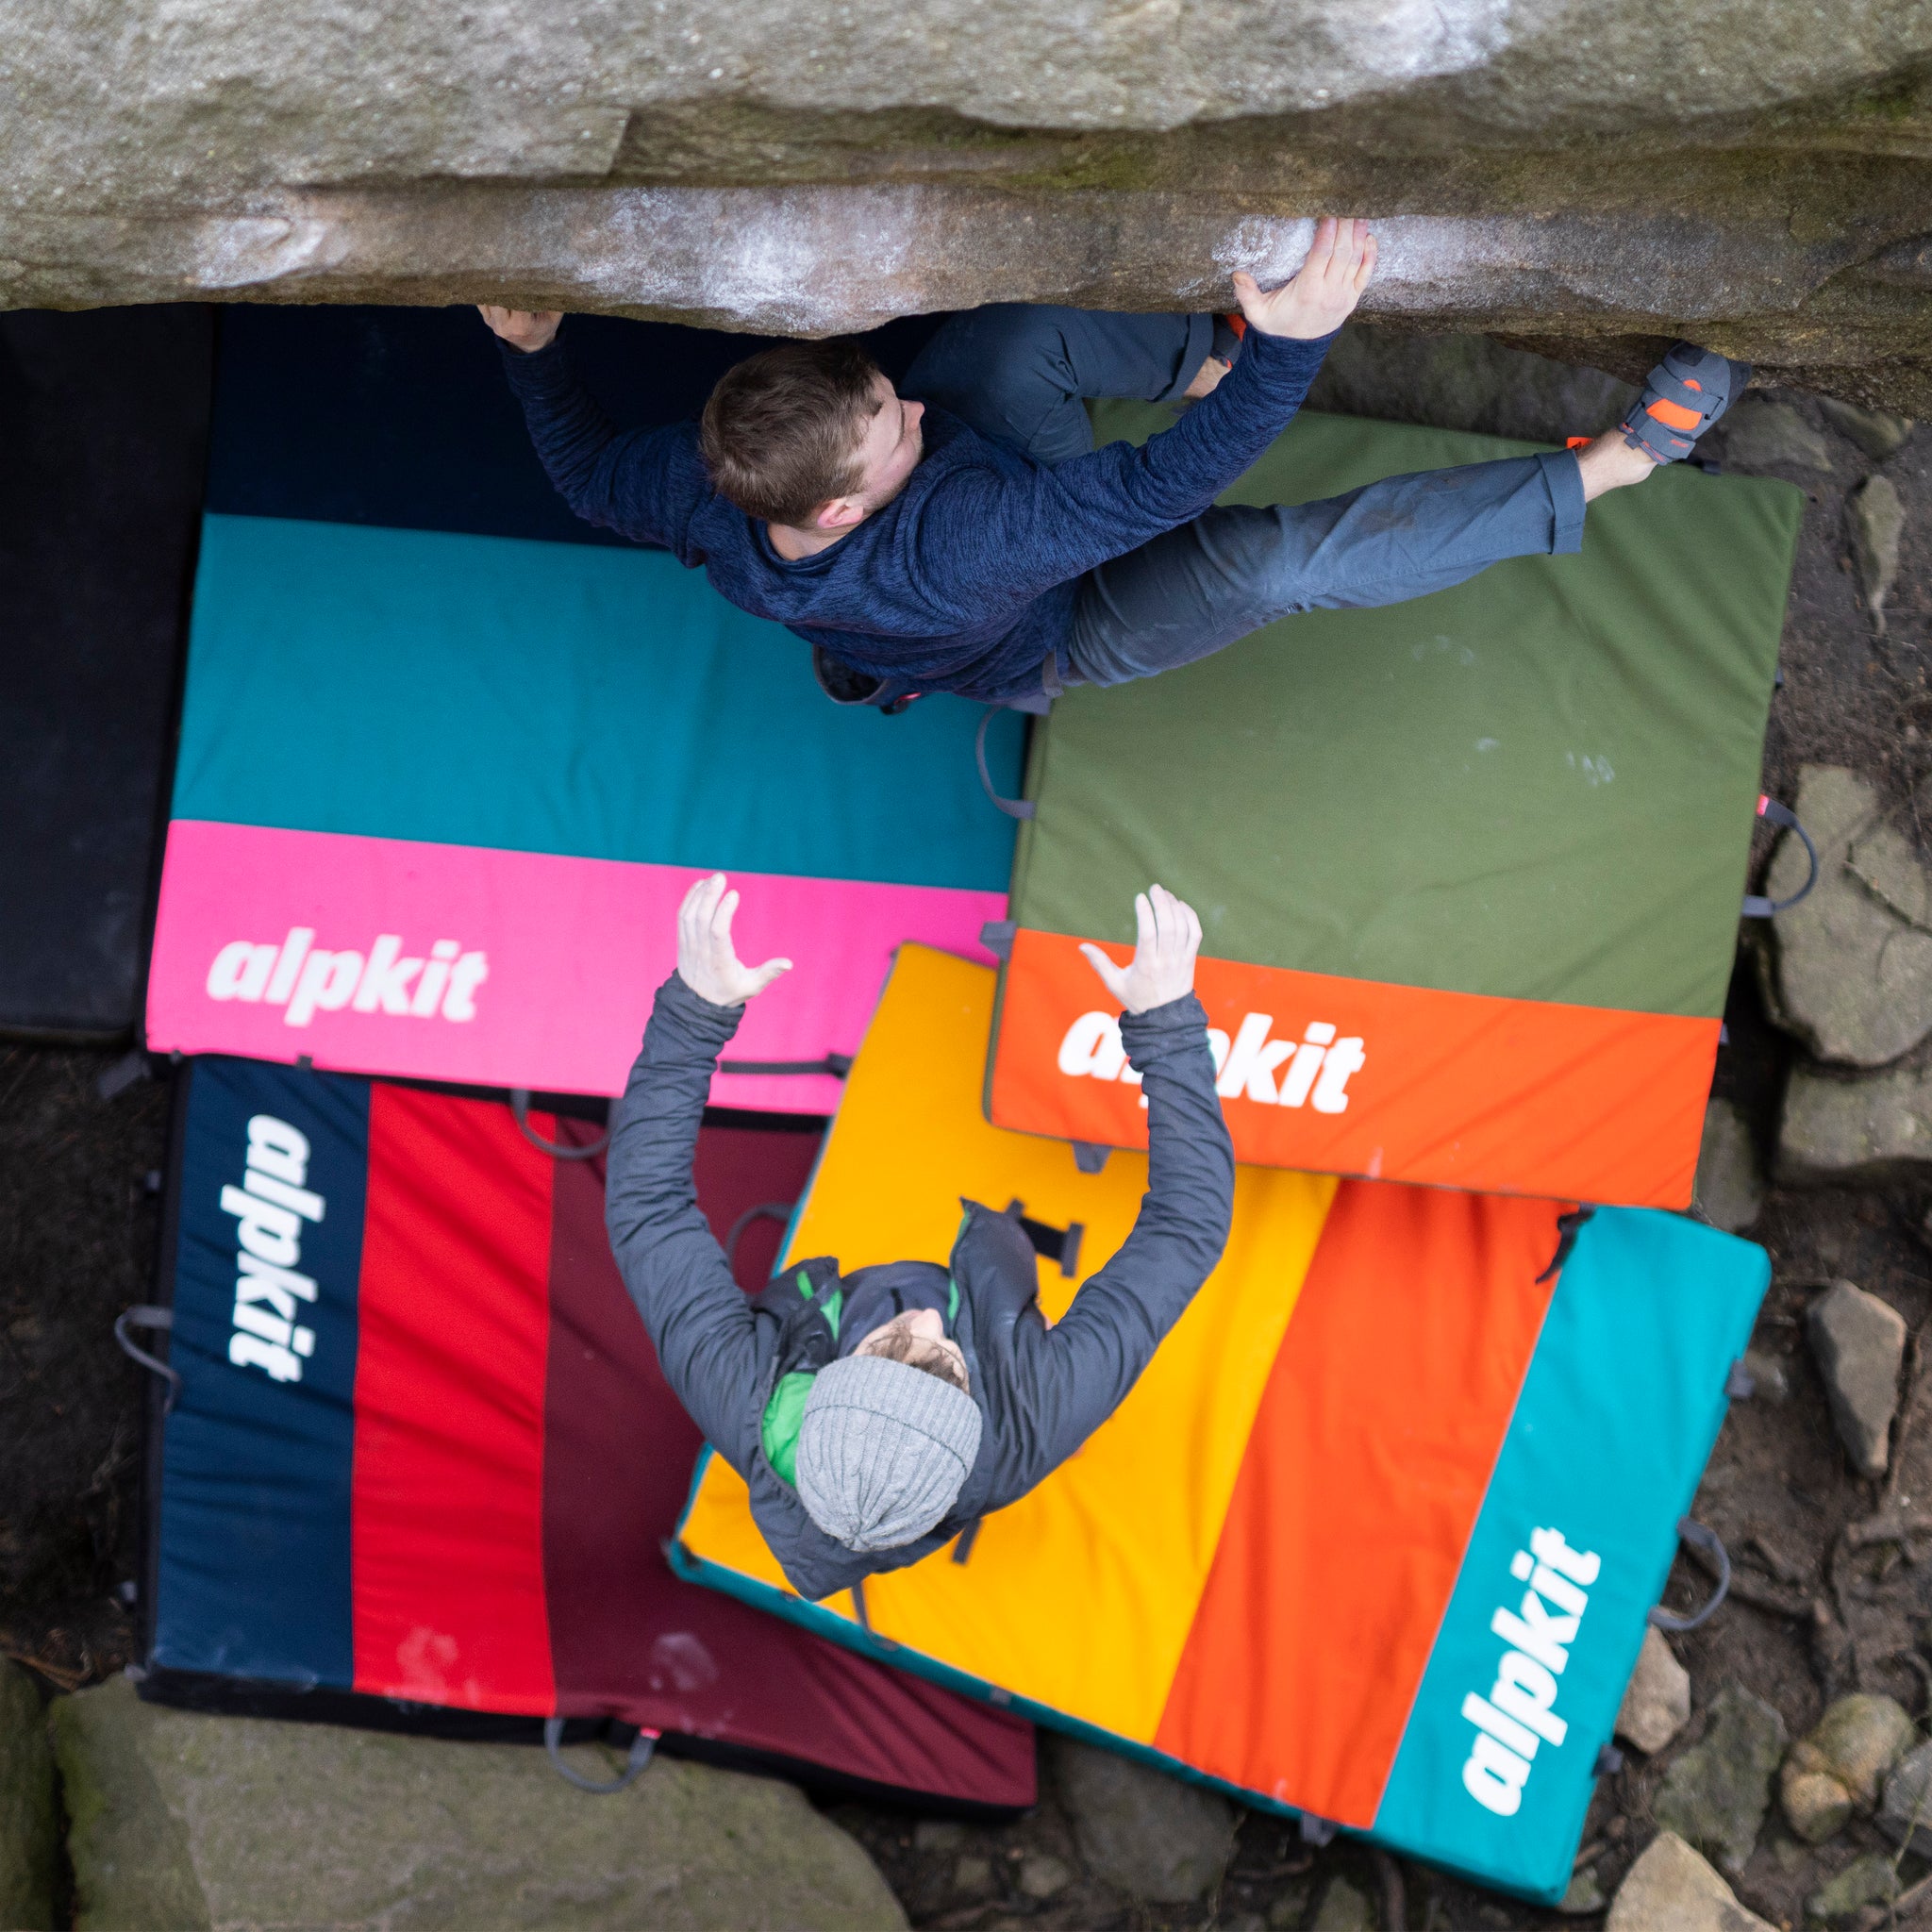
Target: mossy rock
x=184 y=1821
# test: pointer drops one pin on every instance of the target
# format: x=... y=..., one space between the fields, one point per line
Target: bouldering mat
x=103 y=419
x=1372 y=1539
x=422 y=1460
x=455 y=781
x=1470 y=868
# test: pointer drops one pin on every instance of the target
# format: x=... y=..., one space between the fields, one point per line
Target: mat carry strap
x=1707 y=1541
x=1755 y=904
x=1013 y=808
x=641 y=1746
x=519 y=1106
x=146 y=1315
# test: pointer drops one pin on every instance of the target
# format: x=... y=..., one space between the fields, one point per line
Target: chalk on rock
x=1760 y=435
x=28 y=1832
x=1716 y=1794
x=1859 y=1342
x=1876 y=519
x=1141 y=1831
x=1729 y=1190
x=1656 y=1703
x=1849 y=969
x=1878 y=432
x=1840 y=1765
x=1871 y=1880
x=1671 y=1889
x=179 y=1819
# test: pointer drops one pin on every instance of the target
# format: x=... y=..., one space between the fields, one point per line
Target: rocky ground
x=1743 y=1742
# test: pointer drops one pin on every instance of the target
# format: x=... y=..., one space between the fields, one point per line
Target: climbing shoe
x=1683 y=396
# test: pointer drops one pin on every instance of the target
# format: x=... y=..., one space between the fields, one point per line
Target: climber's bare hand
x=1167 y=935
x=1322 y=293
x=528 y=330
x=708 y=962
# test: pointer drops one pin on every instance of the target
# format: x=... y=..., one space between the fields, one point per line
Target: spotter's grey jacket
x=1041 y=1390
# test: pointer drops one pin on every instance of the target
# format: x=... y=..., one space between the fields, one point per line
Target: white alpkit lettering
x=275 y=1147
x=1547 y=1545
x=1093 y=1045
x=435 y=975
x=1309 y=1056
x=1315 y=1069
x=1342 y=1059
x=385 y=978
x=294 y=950
x=250 y=1352
x=1252 y=1060
x=328 y=980
x=268 y=1231
x=281 y=1288
x=465 y=977
x=241 y=971
x=1495 y=1777
x=306 y=979
x=1519 y=1714
x=272 y=1206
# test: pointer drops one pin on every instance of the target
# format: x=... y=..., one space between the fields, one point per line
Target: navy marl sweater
x=966 y=580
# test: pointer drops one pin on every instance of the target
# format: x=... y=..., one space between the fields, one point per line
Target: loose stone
x=1871 y=1880
x=1877 y=518
x=1729 y=1190
x=1859 y=1342
x=1138 y=1830
x=1840 y=1766
x=1716 y=1794
x=1657 y=1702
x=1669 y=1888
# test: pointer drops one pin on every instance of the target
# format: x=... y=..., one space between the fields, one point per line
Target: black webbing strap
x=1062 y=1244
x=1755 y=904
x=836 y=1064
x=1568 y=1227
x=519 y=1106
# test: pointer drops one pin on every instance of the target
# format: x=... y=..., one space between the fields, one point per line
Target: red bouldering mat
x=422 y=1461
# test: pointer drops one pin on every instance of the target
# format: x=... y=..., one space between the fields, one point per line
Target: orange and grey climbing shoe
x=1684 y=395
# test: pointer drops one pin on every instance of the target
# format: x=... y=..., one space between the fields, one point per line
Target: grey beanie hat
x=883 y=1451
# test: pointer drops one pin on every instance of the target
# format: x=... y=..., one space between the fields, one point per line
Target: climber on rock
x=875 y=1415
x=968 y=537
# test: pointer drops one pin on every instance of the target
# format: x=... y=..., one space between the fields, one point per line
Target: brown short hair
x=916 y=1352
x=781 y=432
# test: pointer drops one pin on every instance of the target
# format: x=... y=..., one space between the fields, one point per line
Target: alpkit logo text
x=1313 y=1071
x=272 y=1206
x=305 y=979
x=1518 y=1715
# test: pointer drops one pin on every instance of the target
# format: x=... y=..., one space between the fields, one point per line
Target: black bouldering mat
x=104 y=422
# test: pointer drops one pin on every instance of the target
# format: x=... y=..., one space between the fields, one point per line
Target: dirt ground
x=1814 y=1613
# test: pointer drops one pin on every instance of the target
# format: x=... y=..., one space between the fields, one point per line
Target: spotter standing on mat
x=968 y=537
x=879 y=1414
